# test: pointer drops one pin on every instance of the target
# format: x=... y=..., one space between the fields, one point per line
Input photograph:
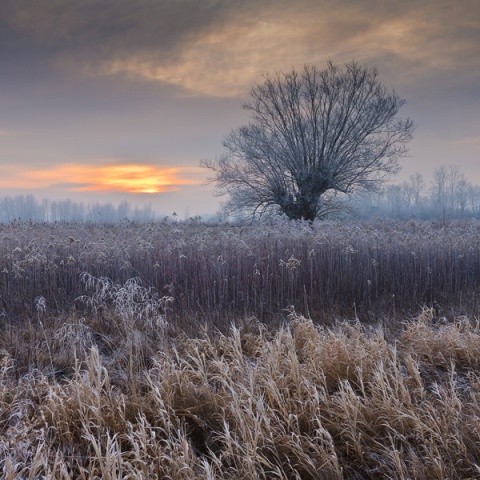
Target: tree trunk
x=300 y=208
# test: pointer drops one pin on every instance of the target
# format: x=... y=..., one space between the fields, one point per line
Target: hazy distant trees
x=25 y=208
x=449 y=195
x=450 y=192
x=414 y=187
x=313 y=135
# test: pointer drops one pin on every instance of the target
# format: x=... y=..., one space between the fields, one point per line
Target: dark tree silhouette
x=313 y=136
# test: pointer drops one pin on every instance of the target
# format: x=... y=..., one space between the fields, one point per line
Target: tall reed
x=215 y=273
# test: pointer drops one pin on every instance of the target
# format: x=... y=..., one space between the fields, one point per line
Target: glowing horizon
x=129 y=178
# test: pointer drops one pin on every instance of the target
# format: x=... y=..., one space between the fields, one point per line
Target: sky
x=119 y=100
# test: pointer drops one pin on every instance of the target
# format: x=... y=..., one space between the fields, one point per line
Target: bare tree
x=398 y=199
x=449 y=192
x=462 y=194
x=415 y=186
x=313 y=137
x=473 y=199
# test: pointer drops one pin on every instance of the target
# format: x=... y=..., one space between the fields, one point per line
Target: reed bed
x=216 y=273
x=113 y=396
x=180 y=350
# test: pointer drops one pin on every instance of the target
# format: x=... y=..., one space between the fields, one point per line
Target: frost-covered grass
x=175 y=350
x=216 y=273
x=298 y=402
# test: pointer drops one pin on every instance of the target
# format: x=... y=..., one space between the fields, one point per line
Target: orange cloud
x=226 y=59
x=128 y=178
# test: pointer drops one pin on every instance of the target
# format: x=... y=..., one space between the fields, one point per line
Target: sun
x=135 y=178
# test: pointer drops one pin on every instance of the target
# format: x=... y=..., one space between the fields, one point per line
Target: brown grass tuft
x=302 y=401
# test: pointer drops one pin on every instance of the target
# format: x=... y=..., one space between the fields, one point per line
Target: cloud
x=221 y=47
x=106 y=177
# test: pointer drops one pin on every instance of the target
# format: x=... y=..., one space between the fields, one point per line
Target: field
x=187 y=350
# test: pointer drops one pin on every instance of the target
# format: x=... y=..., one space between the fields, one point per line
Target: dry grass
x=122 y=354
x=298 y=402
x=217 y=273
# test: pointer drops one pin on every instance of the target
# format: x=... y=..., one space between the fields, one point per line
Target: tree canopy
x=313 y=135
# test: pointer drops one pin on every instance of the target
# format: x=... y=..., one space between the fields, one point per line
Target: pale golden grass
x=298 y=402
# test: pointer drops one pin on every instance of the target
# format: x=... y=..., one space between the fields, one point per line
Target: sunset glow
x=129 y=178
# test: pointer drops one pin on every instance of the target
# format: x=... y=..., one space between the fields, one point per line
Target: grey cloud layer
x=159 y=40
x=105 y=28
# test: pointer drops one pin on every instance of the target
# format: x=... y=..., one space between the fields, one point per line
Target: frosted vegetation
x=107 y=400
x=280 y=350
x=216 y=273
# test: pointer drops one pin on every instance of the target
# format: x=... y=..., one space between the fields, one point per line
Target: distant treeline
x=27 y=208
x=448 y=196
